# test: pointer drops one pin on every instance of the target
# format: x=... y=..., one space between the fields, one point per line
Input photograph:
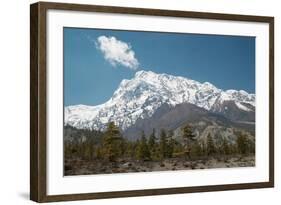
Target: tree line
x=111 y=146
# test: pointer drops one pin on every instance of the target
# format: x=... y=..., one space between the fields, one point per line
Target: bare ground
x=82 y=167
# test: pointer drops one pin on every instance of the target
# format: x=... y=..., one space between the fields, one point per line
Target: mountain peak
x=139 y=97
x=143 y=74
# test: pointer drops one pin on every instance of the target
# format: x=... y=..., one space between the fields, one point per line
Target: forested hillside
x=96 y=152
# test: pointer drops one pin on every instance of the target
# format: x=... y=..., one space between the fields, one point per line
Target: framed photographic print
x=134 y=102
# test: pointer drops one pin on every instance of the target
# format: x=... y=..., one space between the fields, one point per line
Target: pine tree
x=87 y=151
x=225 y=147
x=143 y=152
x=188 y=138
x=170 y=144
x=129 y=149
x=178 y=147
x=136 y=149
x=98 y=153
x=152 y=145
x=152 y=139
x=111 y=142
x=251 y=146
x=197 y=149
x=163 y=144
x=211 y=149
x=188 y=135
x=146 y=151
x=242 y=143
x=70 y=150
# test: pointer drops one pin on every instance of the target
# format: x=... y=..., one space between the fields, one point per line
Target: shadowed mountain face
x=230 y=110
x=174 y=117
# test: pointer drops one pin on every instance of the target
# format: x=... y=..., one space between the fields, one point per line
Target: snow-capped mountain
x=141 y=96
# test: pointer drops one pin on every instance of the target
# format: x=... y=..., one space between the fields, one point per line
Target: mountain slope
x=141 y=96
x=172 y=118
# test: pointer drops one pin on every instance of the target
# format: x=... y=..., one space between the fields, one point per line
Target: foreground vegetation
x=94 y=152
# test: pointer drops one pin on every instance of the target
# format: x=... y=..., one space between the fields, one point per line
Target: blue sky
x=93 y=70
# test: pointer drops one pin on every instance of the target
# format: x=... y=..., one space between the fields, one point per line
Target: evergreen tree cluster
x=112 y=146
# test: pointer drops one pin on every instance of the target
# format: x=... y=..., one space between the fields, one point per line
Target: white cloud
x=117 y=52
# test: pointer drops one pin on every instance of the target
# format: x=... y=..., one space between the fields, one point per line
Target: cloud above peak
x=117 y=52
